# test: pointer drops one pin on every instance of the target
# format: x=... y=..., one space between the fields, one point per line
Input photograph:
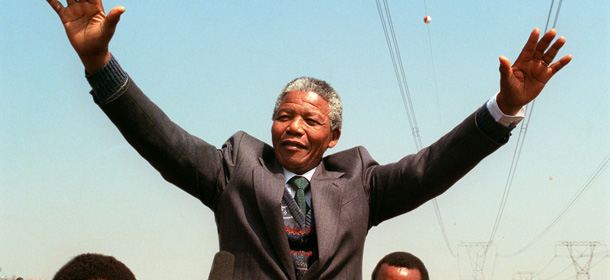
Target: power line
x=561 y=272
x=548 y=18
x=438 y=106
x=399 y=69
x=556 y=15
x=509 y=180
x=390 y=36
x=596 y=173
x=438 y=103
x=441 y=224
x=406 y=95
x=547 y=265
x=519 y=147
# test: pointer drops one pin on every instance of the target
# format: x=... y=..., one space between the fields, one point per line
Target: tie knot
x=299 y=182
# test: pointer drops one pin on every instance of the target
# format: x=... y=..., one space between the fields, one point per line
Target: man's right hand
x=89 y=29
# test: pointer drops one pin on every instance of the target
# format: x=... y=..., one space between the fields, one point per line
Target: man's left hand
x=524 y=80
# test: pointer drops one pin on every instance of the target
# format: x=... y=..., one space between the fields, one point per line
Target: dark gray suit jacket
x=243 y=184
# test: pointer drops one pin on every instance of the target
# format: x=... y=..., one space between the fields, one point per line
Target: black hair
x=402 y=259
x=94 y=266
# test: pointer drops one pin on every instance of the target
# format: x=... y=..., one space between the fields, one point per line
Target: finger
x=505 y=68
x=112 y=19
x=530 y=47
x=555 y=67
x=552 y=52
x=56 y=5
x=543 y=44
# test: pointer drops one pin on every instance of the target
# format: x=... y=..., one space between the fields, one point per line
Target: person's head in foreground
x=94 y=267
x=400 y=266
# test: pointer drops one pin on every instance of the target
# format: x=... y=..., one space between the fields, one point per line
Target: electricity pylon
x=581 y=253
x=477 y=254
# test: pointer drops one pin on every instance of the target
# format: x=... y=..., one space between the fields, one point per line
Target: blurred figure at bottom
x=400 y=266
x=94 y=267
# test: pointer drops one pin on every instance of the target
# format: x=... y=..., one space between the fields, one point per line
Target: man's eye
x=312 y=122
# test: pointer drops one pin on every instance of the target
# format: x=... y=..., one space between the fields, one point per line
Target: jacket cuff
x=107 y=81
x=490 y=127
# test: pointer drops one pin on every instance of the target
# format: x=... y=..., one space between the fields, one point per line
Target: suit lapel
x=326 y=191
x=269 y=189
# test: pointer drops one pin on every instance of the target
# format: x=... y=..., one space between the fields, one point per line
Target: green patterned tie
x=301 y=184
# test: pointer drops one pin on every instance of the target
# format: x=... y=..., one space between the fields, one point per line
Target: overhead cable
x=520 y=140
x=390 y=36
x=598 y=171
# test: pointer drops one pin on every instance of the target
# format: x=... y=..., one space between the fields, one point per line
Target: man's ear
x=335 y=134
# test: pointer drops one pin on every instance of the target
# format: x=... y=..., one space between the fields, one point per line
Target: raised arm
x=89 y=29
x=525 y=79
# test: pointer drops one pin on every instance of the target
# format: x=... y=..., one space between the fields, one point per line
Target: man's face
x=301 y=131
x=388 y=272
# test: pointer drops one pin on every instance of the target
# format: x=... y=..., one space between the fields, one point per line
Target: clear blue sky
x=70 y=184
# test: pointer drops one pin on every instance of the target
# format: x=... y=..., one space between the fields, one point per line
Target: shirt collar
x=289 y=174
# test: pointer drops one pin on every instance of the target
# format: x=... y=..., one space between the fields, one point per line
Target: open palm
x=88 y=28
x=525 y=79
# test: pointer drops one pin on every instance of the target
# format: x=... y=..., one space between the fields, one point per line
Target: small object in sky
x=427 y=19
x=551 y=178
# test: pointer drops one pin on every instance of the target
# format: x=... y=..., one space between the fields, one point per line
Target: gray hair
x=323 y=89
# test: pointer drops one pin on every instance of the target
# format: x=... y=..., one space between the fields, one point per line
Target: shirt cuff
x=490 y=127
x=501 y=118
x=107 y=81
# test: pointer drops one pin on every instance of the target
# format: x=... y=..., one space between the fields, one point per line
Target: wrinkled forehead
x=305 y=101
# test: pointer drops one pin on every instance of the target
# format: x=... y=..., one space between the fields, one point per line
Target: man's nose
x=296 y=126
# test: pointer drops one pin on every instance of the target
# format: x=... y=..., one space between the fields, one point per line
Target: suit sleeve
x=182 y=159
x=397 y=188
